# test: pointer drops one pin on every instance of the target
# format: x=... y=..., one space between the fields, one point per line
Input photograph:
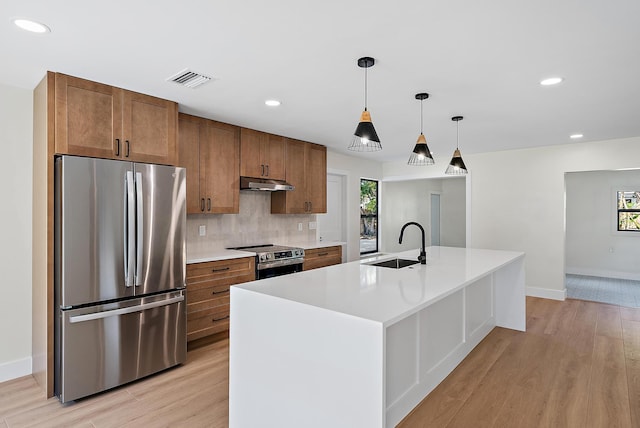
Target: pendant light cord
x=457 y=133
x=421 y=115
x=365 y=88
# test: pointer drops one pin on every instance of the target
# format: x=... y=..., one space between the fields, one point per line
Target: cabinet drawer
x=208 y=286
x=205 y=291
x=220 y=270
x=206 y=301
x=212 y=320
x=321 y=257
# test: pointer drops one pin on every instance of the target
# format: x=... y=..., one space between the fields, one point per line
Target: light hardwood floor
x=578 y=365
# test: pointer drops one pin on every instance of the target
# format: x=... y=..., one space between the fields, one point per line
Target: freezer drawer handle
x=220 y=319
x=139 y=308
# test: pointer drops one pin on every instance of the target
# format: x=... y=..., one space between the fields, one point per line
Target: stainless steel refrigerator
x=120 y=258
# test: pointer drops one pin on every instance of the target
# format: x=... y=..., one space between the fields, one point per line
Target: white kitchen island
x=355 y=345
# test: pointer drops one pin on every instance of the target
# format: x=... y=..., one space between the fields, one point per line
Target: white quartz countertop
x=212 y=255
x=199 y=256
x=382 y=294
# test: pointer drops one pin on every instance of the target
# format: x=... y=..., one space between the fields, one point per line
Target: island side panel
x=296 y=365
x=510 y=297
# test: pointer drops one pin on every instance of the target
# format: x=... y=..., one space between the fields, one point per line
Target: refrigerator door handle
x=122 y=311
x=139 y=228
x=129 y=230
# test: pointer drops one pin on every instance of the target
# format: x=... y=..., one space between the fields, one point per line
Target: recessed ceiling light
x=33 y=26
x=272 y=103
x=551 y=81
x=576 y=136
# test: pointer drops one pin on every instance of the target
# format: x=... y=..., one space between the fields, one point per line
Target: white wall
x=405 y=201
x=15 y=217
x=353 y=169
x=593 y=246
x=253 y=225
x=517 y=201
x=453 y=213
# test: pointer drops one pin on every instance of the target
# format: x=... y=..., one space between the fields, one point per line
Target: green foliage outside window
x=629 y=211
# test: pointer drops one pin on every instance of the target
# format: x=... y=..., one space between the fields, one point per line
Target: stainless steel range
x=275 y=260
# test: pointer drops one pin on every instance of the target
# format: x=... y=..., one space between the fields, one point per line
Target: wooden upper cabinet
x=295 y=200
x=210 y=151
x=316 y=173
x=97 y=120
x=274 y=157
x=189 y=158
x=149 y=127
x=306 y=170
x=262 y=155
x=220 y=161
x=88 y=117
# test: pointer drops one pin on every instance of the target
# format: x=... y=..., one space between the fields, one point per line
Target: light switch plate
x=202 y=230
x=313 y=225
x=299 y=227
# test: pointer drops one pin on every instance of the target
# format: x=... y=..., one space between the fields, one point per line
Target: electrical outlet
x=299 y=227
x=313 y=225
x=202 y=230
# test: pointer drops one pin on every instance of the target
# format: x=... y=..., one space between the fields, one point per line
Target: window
x=368 y=216
x=628 y=211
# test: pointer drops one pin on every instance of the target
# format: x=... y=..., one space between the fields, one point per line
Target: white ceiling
x=481 y=60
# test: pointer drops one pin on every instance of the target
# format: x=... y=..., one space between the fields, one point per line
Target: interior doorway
x=602 y=236
x=332 y=225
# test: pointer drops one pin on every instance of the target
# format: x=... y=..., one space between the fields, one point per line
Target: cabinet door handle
x=262 y=171
x=220 y=269
x=267 y=166
x=322 y=254
x=127 y=144
x=208 y=204
x=117 y=146
x=226 y=290
x=202 y=204
x=219 y=319
x=310 y=206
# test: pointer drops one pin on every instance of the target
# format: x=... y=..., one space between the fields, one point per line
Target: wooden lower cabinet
x=208 y=285
x=321 y=257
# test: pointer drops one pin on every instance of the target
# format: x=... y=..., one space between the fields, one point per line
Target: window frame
x=624 y=210
x=376 y=216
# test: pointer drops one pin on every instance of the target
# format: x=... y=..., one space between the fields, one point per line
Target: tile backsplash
x=253 y=225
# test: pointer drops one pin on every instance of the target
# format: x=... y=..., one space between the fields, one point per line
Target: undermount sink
x=395 y=263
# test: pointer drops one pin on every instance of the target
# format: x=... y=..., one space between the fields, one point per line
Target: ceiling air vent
x=189 y=79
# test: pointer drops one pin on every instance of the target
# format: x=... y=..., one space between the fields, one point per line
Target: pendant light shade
x=365 y=138
x=421 y=154
x=456 y=166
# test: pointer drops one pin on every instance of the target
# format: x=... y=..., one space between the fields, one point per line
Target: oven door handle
x=278 y=263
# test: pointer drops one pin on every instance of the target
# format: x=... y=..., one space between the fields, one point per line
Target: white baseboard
x=15 y=369
x=602 y=273
x=547 y=293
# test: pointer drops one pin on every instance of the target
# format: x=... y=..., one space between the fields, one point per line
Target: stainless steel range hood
x=264 y=184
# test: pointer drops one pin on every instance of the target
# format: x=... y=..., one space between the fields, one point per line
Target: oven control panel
x=279 y=255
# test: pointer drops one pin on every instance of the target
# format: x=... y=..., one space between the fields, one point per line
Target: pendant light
x=365 y=139
x=456 y=166
x=421 y=155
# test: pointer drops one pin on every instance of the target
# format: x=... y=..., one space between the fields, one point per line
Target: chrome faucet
x=423 y=254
